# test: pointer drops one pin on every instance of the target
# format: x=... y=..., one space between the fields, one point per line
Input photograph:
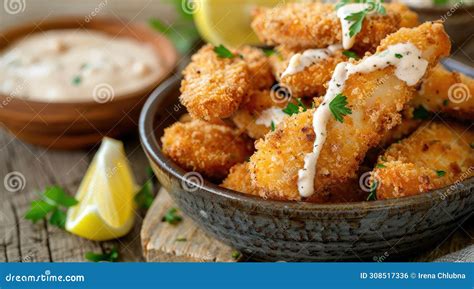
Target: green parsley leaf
x=172 y=217
x=268 y=51
x=111 y=255
x=440 y=173
x=291 y=109
x=53 y=200
x=420 y=112
x=272 y=125
x=373 y=191
x=181 y=239
x=445 y=102
x=236 y=255
x=342 y=3
x=58 y=218
x=357 y=19
x=76 y=80
x=338 y=107
x=350 y=54
x=398 y=55
x=59 y=196
x=472 y=145
x=38 y=210
x=380 y=166
x=223 y=52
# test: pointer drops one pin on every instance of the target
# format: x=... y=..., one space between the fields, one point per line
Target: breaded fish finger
x=448 y=92
x=316 y=25
x=375 y=97
x=209 y=149
x=434 y=156
x=214 y=87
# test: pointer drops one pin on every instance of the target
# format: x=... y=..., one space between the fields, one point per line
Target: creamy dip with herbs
x=71 y=65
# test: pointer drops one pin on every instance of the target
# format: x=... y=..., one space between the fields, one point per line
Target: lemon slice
x=106 y=205
x=228 y=22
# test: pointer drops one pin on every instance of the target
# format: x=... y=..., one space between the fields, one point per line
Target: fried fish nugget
x=375 y=108
x=311 y=81
x=259 y=68
x=448 y=92
x=239 y=180
x=248 y=117
x=434 y=156
x=316 y=25
x=408 y=125
x=209 y=149
x=214 y=87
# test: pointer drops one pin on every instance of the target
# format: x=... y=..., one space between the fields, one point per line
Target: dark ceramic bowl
x=290 y=231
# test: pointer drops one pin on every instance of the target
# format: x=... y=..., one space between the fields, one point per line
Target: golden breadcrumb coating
x=214 y=87
x=311 y=81
x=260 y=71
x=209 y=149
x=316 y=25
x=434 y=156
x=408 y=125
x=245 y=118
x=451 y=93
x=239 y=179
x=376 y=98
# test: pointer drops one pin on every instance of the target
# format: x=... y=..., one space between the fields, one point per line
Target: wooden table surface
x=22 y=241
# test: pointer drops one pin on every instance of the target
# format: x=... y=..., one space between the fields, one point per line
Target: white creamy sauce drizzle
x=300 y=61
x=66 y=66
x=409 y=67
x=269 y=115
x=342 y=13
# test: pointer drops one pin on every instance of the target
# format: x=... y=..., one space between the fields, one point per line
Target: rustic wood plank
x=160 y=243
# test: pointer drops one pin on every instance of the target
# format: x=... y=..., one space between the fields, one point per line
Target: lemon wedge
x=106 y=206
x=228 y=22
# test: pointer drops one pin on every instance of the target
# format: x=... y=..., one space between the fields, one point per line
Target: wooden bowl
x=75 y=125
x=296 y=231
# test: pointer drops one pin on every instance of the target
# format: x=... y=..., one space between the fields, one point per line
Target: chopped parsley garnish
x=145 y=196
x=398 y=55
x=181 y=239
x=381 y=166
x=292 y=108
x=420 y=112
x=472 y=145
x=236 y=255
x=111 y=255
x=445 y=102
x=272 y=125
x=440 y=173
x=357 y=18
x=172 y=217
x=54 y=201
x=338 y=107
x=373 y=191
x=76 y=80
x=223 y=52
x=350 y=54
x=268 y=51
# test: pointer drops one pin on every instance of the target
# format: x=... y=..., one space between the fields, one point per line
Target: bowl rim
x=150 y=145
x=167 y=66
